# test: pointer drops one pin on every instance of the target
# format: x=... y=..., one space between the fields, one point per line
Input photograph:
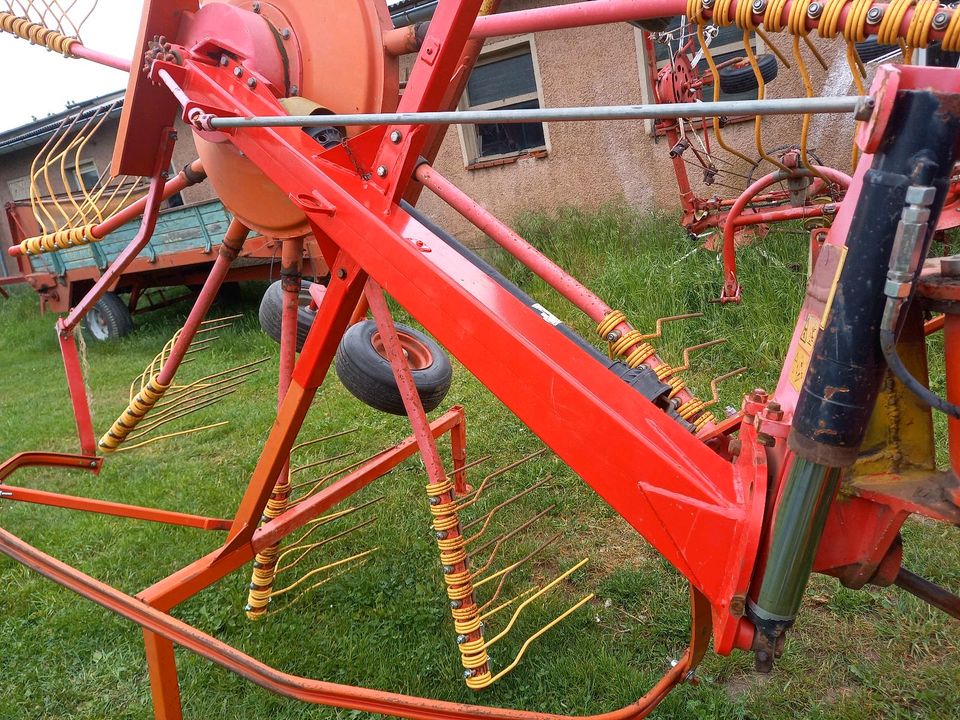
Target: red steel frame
x=704 y=513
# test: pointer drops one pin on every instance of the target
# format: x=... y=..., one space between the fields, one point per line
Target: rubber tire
x=871 y=50
x=114 y=316
x=271 y=312
x=369 y=378
x=742 y=79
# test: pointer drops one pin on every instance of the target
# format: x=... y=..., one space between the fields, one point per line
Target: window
x=505 y=78
x=86 y=173
x=19 y=188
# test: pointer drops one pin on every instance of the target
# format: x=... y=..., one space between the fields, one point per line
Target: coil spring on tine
x=460 y=591
x=59 y=240
x=636 y=352
x=36 y=33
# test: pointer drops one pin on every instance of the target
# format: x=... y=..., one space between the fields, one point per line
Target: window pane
x=501 y=79
x=19 y=188
x=510 y=138
x=88 y=176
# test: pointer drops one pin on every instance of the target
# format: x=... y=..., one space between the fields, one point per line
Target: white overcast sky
x=37 y=82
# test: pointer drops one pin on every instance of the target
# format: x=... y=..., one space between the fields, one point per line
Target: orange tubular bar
x=318 y=691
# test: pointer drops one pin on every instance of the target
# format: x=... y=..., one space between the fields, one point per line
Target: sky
x=38 y=82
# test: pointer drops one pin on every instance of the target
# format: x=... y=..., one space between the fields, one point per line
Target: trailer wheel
x=271 y=312
x=109 y=319
x=734 y=79
x=364 y=370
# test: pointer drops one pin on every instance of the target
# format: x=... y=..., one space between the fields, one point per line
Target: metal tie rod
x=861 y=106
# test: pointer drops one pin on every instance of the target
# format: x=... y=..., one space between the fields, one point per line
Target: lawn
x=384 y=624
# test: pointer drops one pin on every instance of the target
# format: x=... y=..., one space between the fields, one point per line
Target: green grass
x=869 y=654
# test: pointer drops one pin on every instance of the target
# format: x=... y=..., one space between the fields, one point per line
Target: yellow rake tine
x=79 y=152
x=506 y=603
x=326 y=478
x=773 y=48
x=309 y=548
x=308 y=443
x=500 y=541
x=505 y=572
x=330 y=517
x=172 y=398
x=687 y=352
x=550 y=625
x=222 y=373
x=331 y=566
x=299 y=597
x=127 y=448
x=658 y=328
x=715 y=397
x=223 y=319
x=522 y=606
x=150 y=427
x=486 y=519
x=507 y=535
x=324 y=461
x=35 y=198
x=472 y=497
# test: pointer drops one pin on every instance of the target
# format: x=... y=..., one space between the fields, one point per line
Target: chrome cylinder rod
x=860 y=106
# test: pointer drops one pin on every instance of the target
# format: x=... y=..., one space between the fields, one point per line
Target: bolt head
x=342 y=274
x=294 y=89
x=396 y=136
x=441 y=535
x=461 y=639
x=467 y=674
x=252 y=83
x=940 y=21
x=447 y=569
x=613 y=336
x=224 y=60
x=432 y=500
x=759 y=5
x=814 y=10
x=920 y=195
x=456 y=604
x=256 y=7
x=875 y=15
x=238 y=71
x=382 y=171
x=286 y=33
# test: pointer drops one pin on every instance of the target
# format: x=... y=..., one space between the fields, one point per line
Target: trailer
x=178 y=257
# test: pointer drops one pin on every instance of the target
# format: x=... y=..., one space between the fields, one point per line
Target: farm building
x=511 y=169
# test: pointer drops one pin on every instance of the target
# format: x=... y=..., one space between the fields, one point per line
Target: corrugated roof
x=36 y=133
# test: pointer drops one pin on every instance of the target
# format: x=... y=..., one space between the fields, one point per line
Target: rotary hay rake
x=818 y=475
x=799 y=186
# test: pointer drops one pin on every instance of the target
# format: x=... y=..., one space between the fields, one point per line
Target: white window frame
x=15 y=184
x=75 y=175
x=468 y=135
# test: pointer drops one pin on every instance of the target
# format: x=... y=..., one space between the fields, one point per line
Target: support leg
x=265 y=565
x=164 y=686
